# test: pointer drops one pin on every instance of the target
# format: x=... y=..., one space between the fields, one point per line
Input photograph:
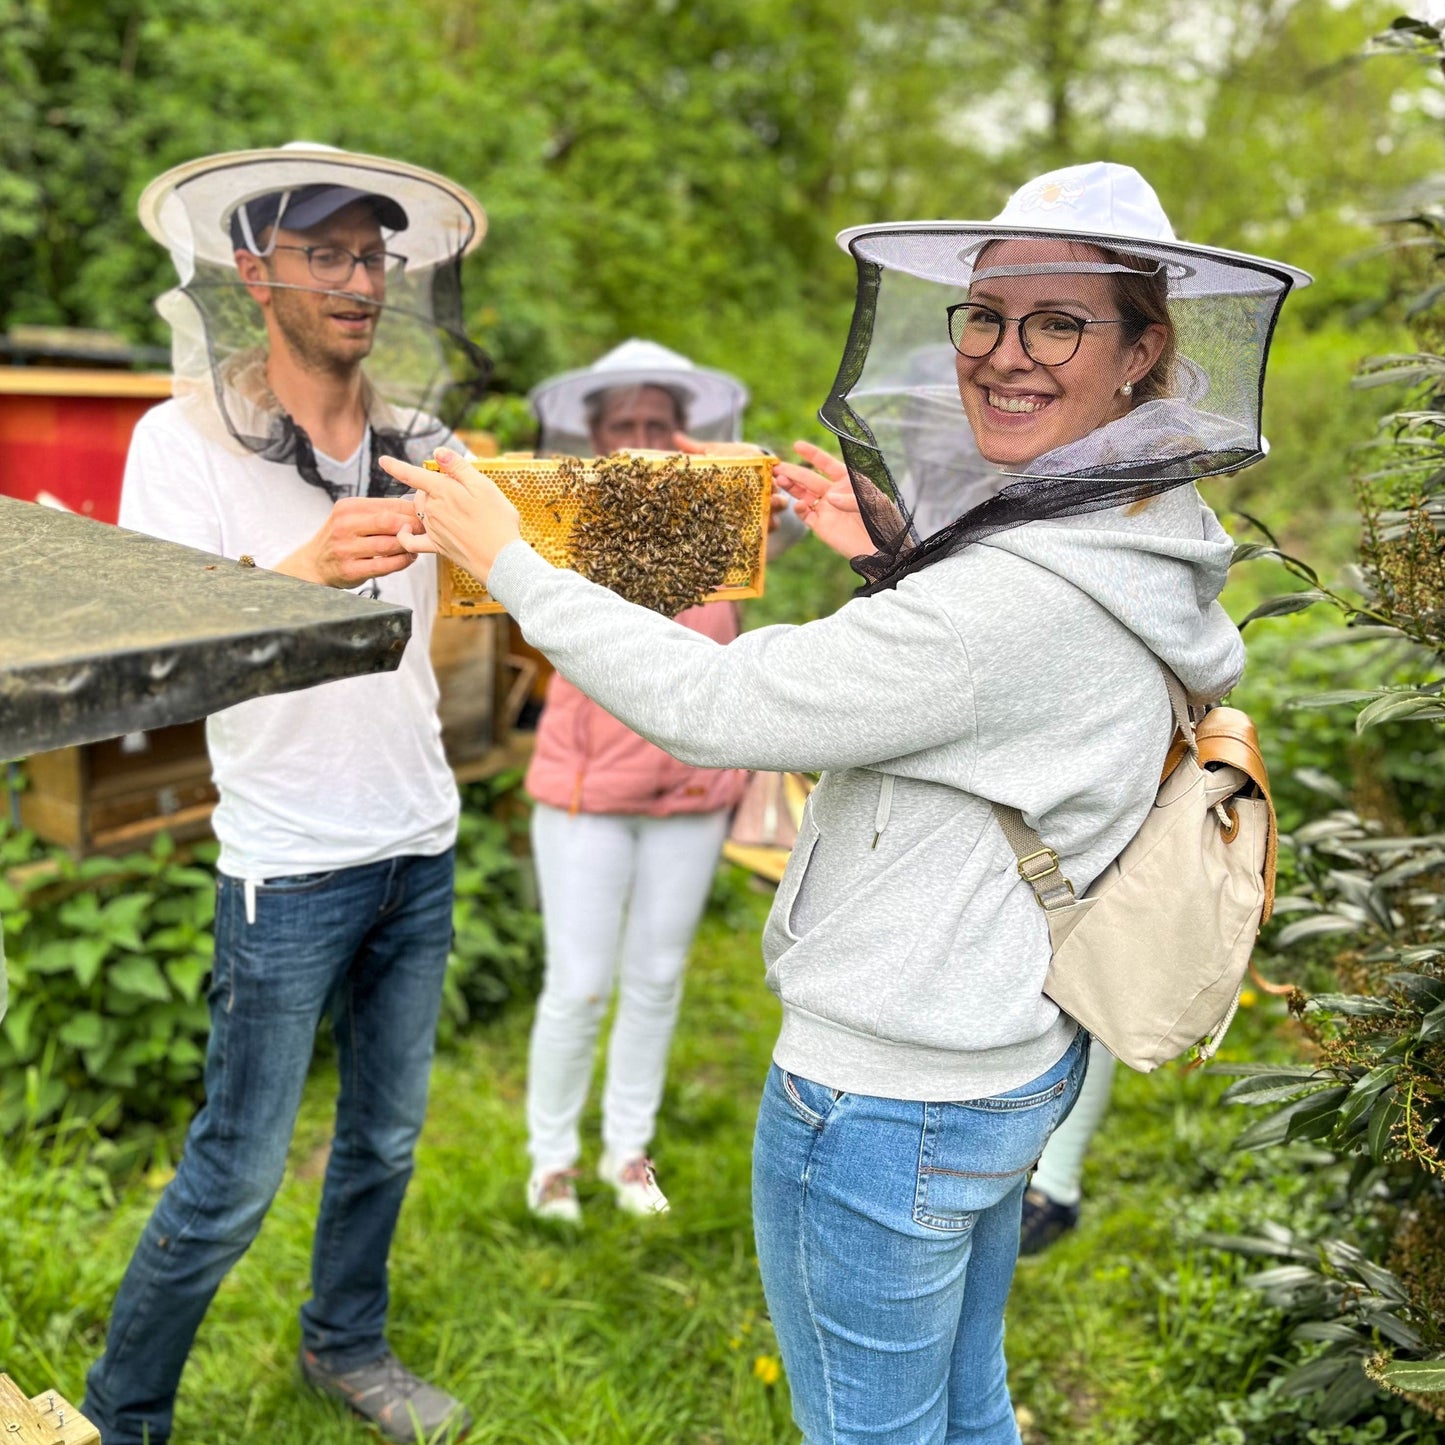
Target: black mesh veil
x=421 y=371
x=982 y=385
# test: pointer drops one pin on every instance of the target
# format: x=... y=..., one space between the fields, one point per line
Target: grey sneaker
x=401 y=1405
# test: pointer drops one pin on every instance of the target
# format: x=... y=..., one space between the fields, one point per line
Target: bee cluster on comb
x=662 y=535
x=663 y=530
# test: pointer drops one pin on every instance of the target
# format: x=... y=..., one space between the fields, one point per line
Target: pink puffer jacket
x=588 y=762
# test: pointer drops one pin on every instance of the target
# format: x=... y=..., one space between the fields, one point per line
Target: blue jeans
x=887 y=1234
x=368 y=946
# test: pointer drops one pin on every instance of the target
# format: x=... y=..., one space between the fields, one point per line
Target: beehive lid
x=104 y=631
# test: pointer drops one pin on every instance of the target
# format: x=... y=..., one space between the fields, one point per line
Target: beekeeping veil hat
x=421 y=370
x=710 y=403
x=1194 y=416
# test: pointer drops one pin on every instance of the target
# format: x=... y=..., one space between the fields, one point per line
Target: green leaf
x=16 y=1026
x=1317 y=925
x=1274 y=1129
x=1270 y=1089
x=1317 y=1116
x=1284 y=605
x=187 y=974
x=1335 y=699
x=1252 y=551
x=1364 y=1092
x=1418 y=1376
x=1432 y=1026
x=1353 y=1005
x=138 y=977
x=1388 y=1112
x=81 y=1031
x=1397 y=706
x=1276 y=1071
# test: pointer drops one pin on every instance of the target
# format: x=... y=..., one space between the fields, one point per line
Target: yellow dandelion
x=767 y=1369
x=1248 y=998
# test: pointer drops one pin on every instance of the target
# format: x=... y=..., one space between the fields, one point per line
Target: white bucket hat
x=715 y=400
x=1100 y=203
x=188 y=209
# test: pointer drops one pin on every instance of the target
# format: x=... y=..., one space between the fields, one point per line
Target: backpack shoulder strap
x=1038 y=864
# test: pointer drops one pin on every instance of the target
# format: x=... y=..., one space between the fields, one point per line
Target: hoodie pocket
x=779 y=934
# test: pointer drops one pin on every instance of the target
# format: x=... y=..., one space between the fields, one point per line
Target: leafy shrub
x=1365 y=1297
x=109 y=960
x=497 y=949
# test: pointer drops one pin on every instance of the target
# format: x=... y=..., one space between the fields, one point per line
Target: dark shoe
x=401 y=1405
x=1044 y=1220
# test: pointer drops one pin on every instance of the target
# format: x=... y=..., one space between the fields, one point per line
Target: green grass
x=633 y=1333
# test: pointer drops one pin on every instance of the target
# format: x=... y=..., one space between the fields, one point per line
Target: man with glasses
x=337 y=813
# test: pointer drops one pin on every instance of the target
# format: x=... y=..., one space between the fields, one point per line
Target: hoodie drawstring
x=885 y=807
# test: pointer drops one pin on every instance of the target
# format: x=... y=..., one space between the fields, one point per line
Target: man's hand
x=358 y=542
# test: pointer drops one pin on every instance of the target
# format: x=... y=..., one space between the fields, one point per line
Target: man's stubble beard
x=304 y=330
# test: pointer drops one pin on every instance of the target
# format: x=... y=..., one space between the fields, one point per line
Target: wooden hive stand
x=48 y=1419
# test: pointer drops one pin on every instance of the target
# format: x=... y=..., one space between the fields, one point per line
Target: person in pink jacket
x=626 y=838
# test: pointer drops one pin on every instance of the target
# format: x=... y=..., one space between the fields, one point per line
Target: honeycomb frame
x=536 y=487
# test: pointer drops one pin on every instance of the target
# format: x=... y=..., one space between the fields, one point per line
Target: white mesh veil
x=421 y=371
x=709 y=403
x=988 y=364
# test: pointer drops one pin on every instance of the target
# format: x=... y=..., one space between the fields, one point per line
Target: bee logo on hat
x=1049 y=194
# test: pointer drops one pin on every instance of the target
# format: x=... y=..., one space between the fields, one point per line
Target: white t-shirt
x=333 y=776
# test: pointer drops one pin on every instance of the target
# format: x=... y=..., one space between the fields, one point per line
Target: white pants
x=622 y=896
x=1061 y=1166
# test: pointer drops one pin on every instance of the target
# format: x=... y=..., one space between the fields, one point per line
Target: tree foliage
x=677 y=168
x=1368 y=1309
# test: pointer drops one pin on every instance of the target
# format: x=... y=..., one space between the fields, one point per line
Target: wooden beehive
x=548 y=493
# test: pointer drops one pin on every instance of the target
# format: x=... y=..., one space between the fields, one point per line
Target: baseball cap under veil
x=422 y=370
x=895 y=404
x=710 y=403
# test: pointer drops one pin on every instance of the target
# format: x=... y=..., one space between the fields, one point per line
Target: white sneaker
x=635 y=1182
x=551 y=1194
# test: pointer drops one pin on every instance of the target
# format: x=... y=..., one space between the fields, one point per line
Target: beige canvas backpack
x=1152 y=958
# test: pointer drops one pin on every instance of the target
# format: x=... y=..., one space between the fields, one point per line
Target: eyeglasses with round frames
x=1049 y=338
x=335 y=265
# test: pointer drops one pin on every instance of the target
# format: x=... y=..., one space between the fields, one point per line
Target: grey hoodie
x=908 y=954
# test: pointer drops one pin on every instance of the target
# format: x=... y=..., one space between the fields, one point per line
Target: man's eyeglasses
x=1048 y=337
x=334 y=265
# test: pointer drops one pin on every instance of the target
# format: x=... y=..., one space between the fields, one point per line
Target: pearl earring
x=1127 y=389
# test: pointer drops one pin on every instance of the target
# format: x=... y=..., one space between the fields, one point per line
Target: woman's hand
x=464 y=513
x=824 y=500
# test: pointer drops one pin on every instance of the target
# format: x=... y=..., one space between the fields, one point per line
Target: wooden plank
x=185 y=824
x=48 y=1419
x=79 y=381
x=68 y=1425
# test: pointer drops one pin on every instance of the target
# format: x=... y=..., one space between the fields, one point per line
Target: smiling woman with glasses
x=1011 y=659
